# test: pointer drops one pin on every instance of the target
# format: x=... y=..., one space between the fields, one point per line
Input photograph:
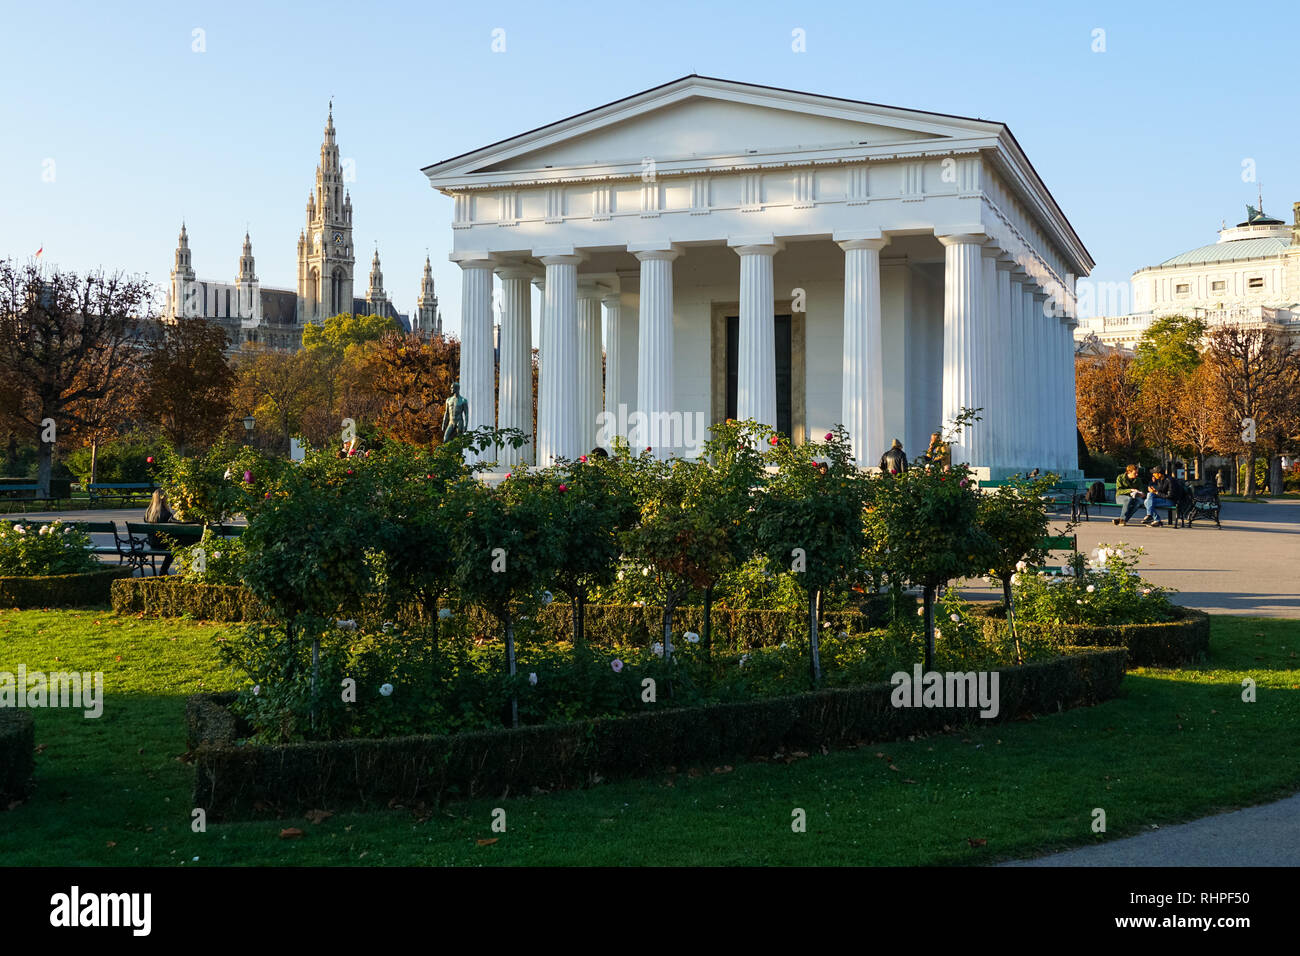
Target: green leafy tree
x=809 y=524
x=333 y=336
x=1170 y=344
x=924 y=525
x=1015 y=519
x=505 y=548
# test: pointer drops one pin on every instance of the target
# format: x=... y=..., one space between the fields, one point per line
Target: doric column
x=515 y=390
x=654 y=365
x=476 y=372
x=963 y=307
x=863 y=396
x=613 y=358
x=1000 y=374
x=590 y=385
x=1017 y=354
x=1040 y=378
x=1071 y=404
x=985 y=430
x=756 y=348
x=557 y=400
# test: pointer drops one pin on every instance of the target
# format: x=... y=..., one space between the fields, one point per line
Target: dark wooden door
x=784 y=375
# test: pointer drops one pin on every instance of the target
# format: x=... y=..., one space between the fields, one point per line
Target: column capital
x=1018 y=274
x=652 y=251
x=612 y=299
x=875 y=244
x=957 y=238
x=756 y=248
x=1007 y=262
x=476 y=261
x=991 y=250
x=561 y=259
x=592 y=290
x=514 y=270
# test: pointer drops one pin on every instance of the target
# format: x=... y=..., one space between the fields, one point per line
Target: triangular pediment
x=705 y=118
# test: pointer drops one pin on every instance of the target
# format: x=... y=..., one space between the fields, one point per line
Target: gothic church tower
x=325 y=256
x=427 y=318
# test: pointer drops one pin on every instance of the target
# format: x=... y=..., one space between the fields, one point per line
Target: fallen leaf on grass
x=908 y=780
x=723 y=769
x=110 y=843
x=40 y=748
x=292 y=833
x=895 y=769
x=977 y=841
x=319 y=816
x=488 y=842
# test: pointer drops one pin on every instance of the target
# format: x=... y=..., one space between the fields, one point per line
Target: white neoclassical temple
x=798 y=259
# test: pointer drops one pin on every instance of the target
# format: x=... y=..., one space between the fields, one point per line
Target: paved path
x=1249 y=566
x=1268 y=835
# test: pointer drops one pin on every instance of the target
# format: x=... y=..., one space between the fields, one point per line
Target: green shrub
x=237 y=782
x=165 y=597
x=213 y=559
x=123 y=460
x=1183 y=639
x=17 y=743
x=1103 y=589
x=46 y=549
x=85 y=589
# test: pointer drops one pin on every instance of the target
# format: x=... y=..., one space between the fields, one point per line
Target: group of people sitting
x=1161 y=490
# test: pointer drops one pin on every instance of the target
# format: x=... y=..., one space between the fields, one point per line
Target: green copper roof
x=1232 y=251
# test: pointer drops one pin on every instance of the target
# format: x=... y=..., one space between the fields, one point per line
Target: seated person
x=1164 y=492
x=1129 y=483
x=159 y=512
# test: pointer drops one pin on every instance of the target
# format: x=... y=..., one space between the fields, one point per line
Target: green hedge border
x=1184 y=640
x=60 y=590
x=242 y=782
x=605 y=624
x=17 y=755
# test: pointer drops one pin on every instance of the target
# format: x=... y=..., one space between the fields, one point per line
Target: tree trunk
x=1275 y=475
x=94 y=461
x=707 y=627
x=814 y=634
x=510 y=664
x=928 y=606
x=315 y=679
x=580 y=618
x=45 y=462
x=1250 y=470
x=668 y=638
x=1009 y=604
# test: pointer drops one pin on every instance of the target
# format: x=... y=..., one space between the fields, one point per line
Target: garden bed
x=1164 y=644
x=241 y=782
x=60 y=590
x=17 y=740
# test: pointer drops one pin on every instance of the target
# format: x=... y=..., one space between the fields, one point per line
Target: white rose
x=1091 y=588
x=657 y=649
x=692 y=637
x=956 y=619
x=444 y=613
x=532 y=678
x=386 y=690
x=547 y=597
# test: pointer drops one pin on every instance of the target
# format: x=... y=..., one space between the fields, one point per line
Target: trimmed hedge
x=605 y=623
x=240 y=782
x=17 y=749
x=163 y=597
x=1165 y=644
x=60 y=590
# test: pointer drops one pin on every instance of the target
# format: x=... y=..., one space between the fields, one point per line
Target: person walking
x=894 y=461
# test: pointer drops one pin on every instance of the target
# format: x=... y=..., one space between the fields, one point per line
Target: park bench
x=141 y=548
x=21 y=489
x=1203 y=506
x=123 y=491
x=1060 y=542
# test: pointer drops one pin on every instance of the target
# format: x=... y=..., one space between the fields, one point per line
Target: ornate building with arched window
x=256 y=313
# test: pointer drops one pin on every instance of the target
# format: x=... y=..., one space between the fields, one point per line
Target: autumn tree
x=277 y=389
x=64 y=339
x=188 y=382
x=1107 y=397
x=1252 y=368
x=412 y=376
x=1197 y=422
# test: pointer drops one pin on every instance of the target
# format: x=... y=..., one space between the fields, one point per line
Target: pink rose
x=617 y=665
x=564 y=487
x=248 y=477
x=829 y=436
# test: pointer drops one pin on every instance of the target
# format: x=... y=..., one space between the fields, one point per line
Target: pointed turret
x=376 y=300
x=182 y=276
x=247 y=274
x=426 y=313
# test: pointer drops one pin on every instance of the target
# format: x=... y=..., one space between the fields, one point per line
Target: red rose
x=583 y=459
x=647 y=447
x=830 y=436
x=563 y=488
x=773 y=440
x=268 y=494
x=349 y=471
x=149 y=460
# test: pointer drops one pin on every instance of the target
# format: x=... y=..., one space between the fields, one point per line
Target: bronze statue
x=455 y=419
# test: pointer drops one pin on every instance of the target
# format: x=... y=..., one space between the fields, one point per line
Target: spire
x=426 y=312
x=247 y=273
x=375 y=297
x=181 y=264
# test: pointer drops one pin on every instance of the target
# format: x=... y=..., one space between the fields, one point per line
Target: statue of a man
x=455 y=418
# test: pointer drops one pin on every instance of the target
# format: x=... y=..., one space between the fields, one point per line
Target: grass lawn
x=1176 y=745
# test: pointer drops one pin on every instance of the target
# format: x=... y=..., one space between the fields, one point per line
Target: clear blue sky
x=1142 y=145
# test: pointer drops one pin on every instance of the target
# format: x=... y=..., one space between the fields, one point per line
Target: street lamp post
x=249 y=422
